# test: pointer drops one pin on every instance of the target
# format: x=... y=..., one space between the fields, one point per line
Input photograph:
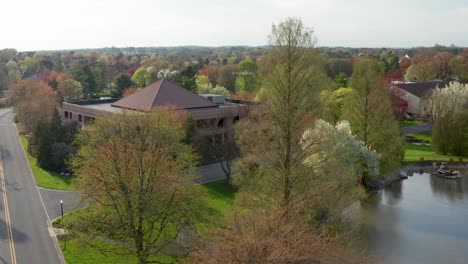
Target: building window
x=65 y=114
x=205 y=123
x=71 y=115
x=80 y=118
x=221 y=123
x=236 y=119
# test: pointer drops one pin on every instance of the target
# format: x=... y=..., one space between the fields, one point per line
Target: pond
x=423 y=219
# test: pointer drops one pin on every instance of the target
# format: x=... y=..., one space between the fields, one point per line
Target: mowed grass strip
x=422 y=136
x=77 y=252
x=46 y=179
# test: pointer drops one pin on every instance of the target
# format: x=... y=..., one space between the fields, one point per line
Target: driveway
x=415 y=129
x=71 y=200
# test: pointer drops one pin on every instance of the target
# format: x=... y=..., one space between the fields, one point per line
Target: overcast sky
x=64 y=24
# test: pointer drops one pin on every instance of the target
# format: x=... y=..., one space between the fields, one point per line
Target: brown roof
x=420 y=89
x=163 y=93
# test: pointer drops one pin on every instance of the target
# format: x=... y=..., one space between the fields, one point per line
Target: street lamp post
x=64 y=237
x=61 y=208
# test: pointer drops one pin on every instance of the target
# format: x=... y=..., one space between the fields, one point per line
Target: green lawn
x=46 y=179
x=220 y=196
x=219 y=199
x=408 y=123
x=423 y=136
x=77 y=252
x=414 y=152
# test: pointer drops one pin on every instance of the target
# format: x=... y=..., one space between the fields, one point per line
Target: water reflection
x=418 y=220
x=449 y=189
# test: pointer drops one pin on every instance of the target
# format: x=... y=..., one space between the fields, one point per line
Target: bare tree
x=135 y=169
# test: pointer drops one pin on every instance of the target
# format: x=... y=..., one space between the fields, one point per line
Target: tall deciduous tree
x=285 y=202
x=248 y=75
x=227 y=77
x=136 y=169
x=422 y=71
x=459 y=65
x=34 y=100
x=69 y=89
x=369 y=111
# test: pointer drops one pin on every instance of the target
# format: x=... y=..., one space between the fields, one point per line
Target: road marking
x=49 y=223
x=7 y=214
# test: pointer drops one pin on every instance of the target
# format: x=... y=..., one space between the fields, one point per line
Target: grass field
x=76 y=252
x=408 y=123
x=219 y=199
x=414 y=152
x=423 y=136
x=220 y=195
x=46 y=179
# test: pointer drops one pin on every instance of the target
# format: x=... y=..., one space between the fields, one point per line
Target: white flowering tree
x=448 y=108
x=205 y=87
x=326 y=142
x=166 y=74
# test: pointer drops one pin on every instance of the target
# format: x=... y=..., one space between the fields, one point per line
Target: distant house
x=405 y=62
x=213 y=115
x=415 y=94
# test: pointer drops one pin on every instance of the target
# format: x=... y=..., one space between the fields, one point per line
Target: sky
x=29 y=25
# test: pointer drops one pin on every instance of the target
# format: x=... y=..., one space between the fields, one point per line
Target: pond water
x=423 y=219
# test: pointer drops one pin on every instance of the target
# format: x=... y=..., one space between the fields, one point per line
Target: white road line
x=7 y=214
x=49 y=223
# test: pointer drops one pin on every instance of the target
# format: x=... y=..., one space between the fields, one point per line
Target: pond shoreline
x=397 y=174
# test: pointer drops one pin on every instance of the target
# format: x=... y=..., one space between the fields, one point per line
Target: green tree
x=248 y=75
x=369 y=111
x=282 y=200
x=274 y=133
x=459 y=65
x=392 y=63
x=447 y=109
x=44 y=139
x=86 y=77
x=341 y=80
x=70 y=90
x=422 y=71
x=142 y=191
x=141 y=77
x=227 y=77
x=122 y=83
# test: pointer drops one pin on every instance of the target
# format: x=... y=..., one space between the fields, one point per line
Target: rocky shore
x=405 y=171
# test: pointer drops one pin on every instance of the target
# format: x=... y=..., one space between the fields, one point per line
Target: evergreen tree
x=56 y=128
x=44 y=140
x=122 y=82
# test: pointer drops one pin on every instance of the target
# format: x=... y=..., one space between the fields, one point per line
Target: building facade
x=212 y=115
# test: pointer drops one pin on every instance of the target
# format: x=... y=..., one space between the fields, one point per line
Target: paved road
x=415 y=129
x=209 y=173
x=30 y=224
x=52 y=200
